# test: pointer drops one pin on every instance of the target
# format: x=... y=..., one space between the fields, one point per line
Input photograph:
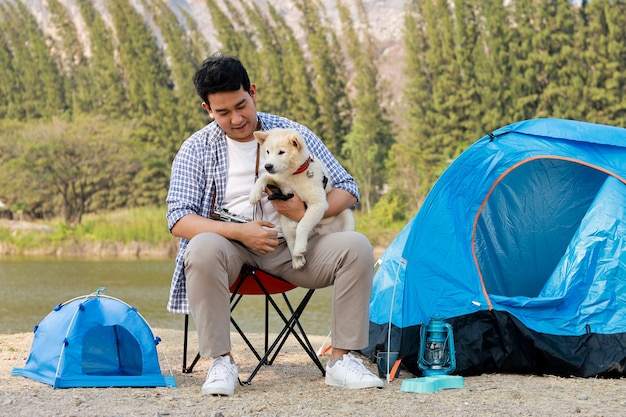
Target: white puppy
x=292 y=169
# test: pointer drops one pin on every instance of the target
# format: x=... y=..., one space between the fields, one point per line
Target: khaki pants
x=343 y=259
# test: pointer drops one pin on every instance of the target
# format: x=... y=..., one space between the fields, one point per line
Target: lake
x=30 y=287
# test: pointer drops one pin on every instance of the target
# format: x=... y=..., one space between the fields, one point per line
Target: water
x=31 y=287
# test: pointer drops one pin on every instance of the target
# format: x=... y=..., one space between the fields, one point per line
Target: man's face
x=235 y=112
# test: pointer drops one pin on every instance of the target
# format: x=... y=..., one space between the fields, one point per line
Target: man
x=215 y=169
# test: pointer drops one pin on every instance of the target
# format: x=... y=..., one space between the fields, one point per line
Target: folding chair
x=253 y=281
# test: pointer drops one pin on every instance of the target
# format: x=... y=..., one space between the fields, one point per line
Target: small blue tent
x=521 y=246
x=94 y=341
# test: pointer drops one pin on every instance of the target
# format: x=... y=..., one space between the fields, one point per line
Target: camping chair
x=253 y=281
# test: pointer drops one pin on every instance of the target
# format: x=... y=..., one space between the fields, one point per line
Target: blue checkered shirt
x=199 y=172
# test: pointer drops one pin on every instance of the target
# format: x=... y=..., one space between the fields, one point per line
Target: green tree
x=299 y=97
x=605 y=56
x=366 y=146
x=149 y=89
x=146 y=74
x=407 y=167
x=271 y=78
x=197 y=43
x=493 y=66
x=8 y=88
x=38 y=85
x=430 y=140
x=103 y=79
x=184 y=51
x=328 y=74
x=248 y=46
x=556 y=59
x=226 y=34
x=58 y=168
x=70 y=57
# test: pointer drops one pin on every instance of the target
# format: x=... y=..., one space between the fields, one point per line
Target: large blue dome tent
x=521 y=246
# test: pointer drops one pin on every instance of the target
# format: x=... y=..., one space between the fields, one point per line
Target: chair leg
x=304 y=342
x=188 y=370
x=291 y=326
x=288 y=329
x=302 y=338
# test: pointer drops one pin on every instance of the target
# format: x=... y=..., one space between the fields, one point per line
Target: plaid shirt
x=199 y=172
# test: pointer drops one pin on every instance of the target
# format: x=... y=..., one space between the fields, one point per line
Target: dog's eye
x=281 y=152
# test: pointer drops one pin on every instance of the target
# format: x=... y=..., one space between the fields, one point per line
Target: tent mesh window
x=518 y=242
x=111 y=350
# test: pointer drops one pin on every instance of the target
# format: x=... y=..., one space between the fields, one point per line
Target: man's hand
x=258 y=235
x=293 y=208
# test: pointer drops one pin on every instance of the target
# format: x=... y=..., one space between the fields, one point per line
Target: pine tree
x=407 y=166
x=606 y=62
x=151 y=99
x=198 y=44
x=39 y=86
x=493 y=66
x=103 y=79
x=328 y=74
x=9 y=88
x=299 y=98
x=367 y=144
x=527 y=55
x=248 y=47
x=467 y=108
x=440 y=146
x=182 y=54
x=557 y=59
x=270 y=79
x=70 y=56
x=146 y=73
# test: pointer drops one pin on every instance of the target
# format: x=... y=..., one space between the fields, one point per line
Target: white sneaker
x=221 y=378
x=349 y=372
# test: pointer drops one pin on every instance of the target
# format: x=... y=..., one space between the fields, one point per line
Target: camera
x=224 y=215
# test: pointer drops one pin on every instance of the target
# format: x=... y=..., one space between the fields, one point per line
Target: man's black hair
x=220 y=72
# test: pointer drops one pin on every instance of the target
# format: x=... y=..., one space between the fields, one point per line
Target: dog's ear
x=260 y=136
x=296 y=140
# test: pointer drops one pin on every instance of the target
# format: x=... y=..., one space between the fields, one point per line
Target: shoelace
x=355 y=364
x=220 y=370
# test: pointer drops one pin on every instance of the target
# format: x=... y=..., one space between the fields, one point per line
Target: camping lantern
x=436 y=348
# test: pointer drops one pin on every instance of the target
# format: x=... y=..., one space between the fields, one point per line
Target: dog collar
x=303 y=167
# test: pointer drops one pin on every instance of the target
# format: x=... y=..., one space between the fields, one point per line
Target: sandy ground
x=293 y=386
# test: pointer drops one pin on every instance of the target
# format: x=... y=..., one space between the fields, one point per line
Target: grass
x=145 y=225
x=378 y=234
x=129 y=225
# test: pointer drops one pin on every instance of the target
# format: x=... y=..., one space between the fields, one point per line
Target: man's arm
x=258 y=235
x=338 y=200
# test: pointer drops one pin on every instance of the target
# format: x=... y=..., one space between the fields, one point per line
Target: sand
x=293 y=386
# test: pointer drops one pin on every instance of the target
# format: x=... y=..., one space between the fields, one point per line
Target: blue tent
x=94 y=341
x=521 y=246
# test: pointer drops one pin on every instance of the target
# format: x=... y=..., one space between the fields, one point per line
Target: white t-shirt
x=241 y=168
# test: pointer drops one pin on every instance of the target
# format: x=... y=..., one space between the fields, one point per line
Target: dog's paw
x=255 y=195
x=298 y=261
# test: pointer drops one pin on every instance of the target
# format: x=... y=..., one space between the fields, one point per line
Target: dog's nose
x=269 y=167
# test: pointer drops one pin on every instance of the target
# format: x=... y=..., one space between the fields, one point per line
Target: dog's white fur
x=285 y=151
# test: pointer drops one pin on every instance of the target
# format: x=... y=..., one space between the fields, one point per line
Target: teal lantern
x=437 y=355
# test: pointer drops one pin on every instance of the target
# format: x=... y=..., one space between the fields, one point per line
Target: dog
x=292 y=169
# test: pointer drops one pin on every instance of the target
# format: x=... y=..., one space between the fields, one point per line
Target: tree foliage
x=366 y=146
x=95 y=106
x=473 y=66
x=58 y=168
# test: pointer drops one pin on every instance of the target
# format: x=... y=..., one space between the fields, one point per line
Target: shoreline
x=86 y=249
x=293 y=386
